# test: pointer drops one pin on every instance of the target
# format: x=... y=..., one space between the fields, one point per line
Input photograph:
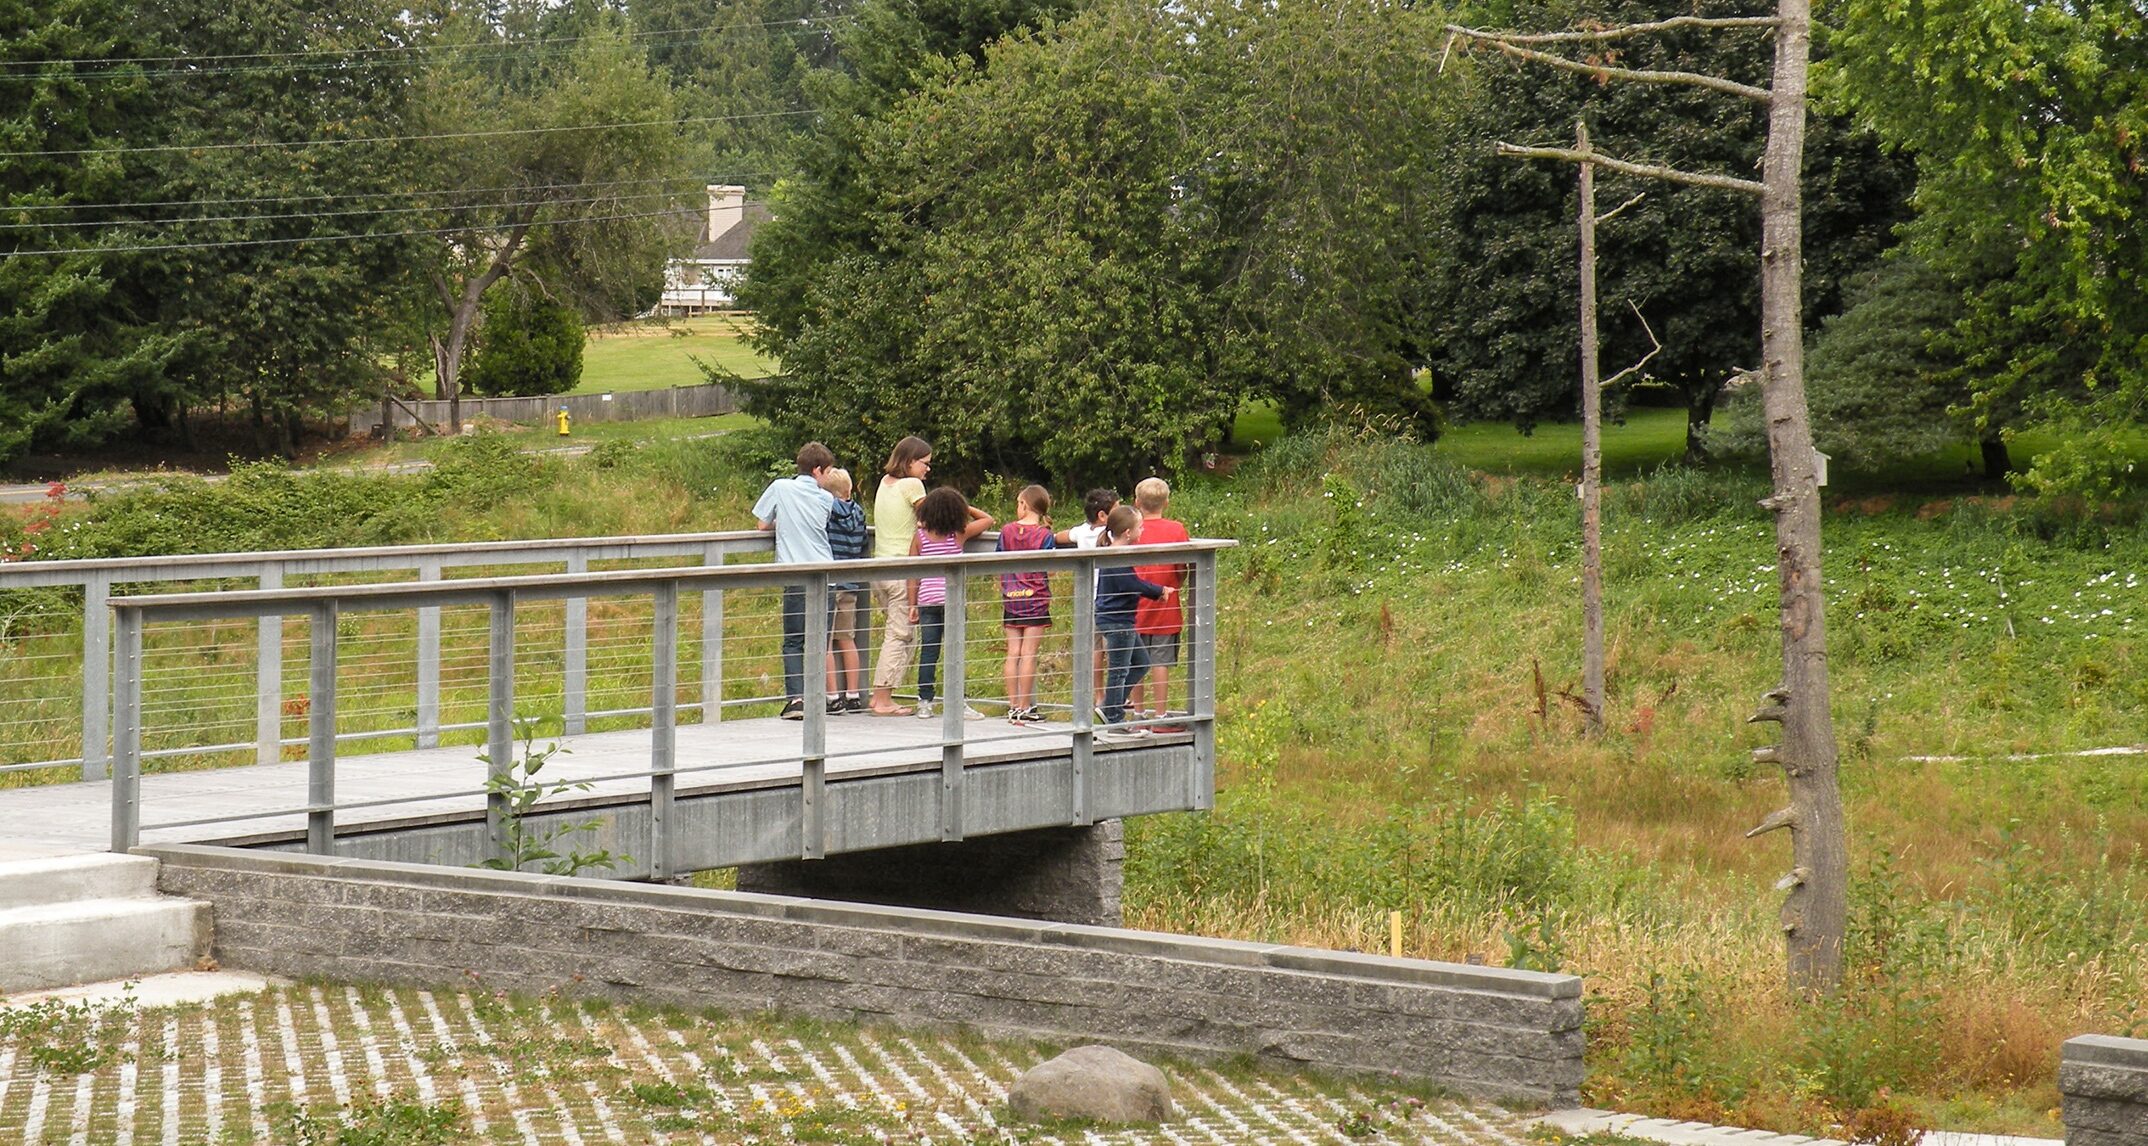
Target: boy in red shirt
x=1158 y=622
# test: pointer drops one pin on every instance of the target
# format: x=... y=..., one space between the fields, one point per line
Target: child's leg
x=931 y=624
x=1119 y=645
x=1163 y=657
x=1024 y=648
x=1010 y=667
x=1137 y=667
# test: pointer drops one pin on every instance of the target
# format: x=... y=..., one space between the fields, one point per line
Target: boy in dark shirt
x=846 y=625
x=1118 y=591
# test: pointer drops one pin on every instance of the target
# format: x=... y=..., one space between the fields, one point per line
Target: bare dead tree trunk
x=1592 y=457
x=1814 y=914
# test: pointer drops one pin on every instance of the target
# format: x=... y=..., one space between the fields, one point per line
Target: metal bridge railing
x=503 y=601
x=45 y=644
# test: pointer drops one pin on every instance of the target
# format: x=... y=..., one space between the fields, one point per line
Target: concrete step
x=92 y=940
x=41 y=880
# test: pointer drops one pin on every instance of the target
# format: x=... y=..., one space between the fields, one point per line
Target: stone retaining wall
x=1496 y=1033
x=2103 y=1091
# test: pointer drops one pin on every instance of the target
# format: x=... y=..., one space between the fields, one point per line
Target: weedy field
x=1398 y=637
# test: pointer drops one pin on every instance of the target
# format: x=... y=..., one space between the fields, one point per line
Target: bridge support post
x=663 y=728
x=268 y=687
x=574 y=692
x=1067 y=875
x=712 y=642
x=127 y=737
x=1201 y=662
x=321 y=733
x=1085 y=698
x=500 y=718
x=96 y=675
x=429 y=664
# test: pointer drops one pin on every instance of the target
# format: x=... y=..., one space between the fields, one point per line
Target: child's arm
x=1151 y=589
x=911 y=597
x=979 y=522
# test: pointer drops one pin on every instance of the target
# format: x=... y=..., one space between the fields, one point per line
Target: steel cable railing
x=654 y=645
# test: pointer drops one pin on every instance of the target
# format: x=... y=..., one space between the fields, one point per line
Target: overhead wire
x=365 y=212
x=516 y=48
x=734 y=177
x=491 y=133
x=288 y=241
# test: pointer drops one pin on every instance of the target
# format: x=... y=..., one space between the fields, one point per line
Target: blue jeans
x=1126 y=661
x=794 y=639
x=931 y=626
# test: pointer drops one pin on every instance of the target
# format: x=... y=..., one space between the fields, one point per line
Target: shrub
x=528 y=345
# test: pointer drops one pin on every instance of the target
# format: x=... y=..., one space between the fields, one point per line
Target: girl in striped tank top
x=944 y=522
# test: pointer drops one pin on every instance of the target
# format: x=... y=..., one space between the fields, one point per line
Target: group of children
x=1138 y=619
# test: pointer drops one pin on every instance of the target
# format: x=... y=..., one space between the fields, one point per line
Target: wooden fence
x=626 y=406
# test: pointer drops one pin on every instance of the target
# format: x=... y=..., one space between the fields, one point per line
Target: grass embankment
x=1385 y=746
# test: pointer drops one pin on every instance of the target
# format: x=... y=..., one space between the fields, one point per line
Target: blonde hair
x=837 y=482
x=1152 y=495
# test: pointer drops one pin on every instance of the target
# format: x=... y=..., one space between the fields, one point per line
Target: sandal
x=898 y=710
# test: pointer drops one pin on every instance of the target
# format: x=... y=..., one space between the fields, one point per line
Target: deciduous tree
x=2029 y=123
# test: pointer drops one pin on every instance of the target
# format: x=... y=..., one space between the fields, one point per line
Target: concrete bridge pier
x=1065 y=875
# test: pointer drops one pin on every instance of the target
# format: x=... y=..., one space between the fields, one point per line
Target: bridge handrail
x=96 y=577
x=501 y=595
x=372 y=558
x=623 y=582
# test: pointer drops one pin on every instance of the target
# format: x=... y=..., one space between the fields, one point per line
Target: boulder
x=1093 y=1082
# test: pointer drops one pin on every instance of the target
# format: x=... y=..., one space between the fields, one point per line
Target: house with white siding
x=704 y=281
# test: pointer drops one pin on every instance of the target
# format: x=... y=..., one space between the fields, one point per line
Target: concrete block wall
x=2103 y=1091
x=1496 y=1033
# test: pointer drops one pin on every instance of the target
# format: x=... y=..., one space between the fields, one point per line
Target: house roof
x=731 y=245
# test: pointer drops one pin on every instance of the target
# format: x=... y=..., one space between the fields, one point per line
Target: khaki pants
x=899 y=642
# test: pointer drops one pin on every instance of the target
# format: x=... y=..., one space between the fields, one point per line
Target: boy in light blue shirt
x=796 y=510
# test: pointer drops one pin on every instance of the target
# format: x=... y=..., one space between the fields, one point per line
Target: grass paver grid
x=323 y=1063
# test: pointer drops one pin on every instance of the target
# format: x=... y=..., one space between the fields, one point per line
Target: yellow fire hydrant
x=564 y=422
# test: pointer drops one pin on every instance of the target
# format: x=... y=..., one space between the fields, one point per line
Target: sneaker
x=969 y=713
x=855 y=705
x=925 y=711
x=1101 y=718
x=1172 y=717
x=794 y=709
x=1121 y=735
x=837 y=708
x=1028 y=715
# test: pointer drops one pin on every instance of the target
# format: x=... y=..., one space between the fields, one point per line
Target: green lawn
x=653 y=355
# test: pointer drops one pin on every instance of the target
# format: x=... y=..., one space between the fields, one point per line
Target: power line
x=332 y=214
x=491 y=134
x=120 y=73
x=534 y=43
x=734 y=177
x=320 y=238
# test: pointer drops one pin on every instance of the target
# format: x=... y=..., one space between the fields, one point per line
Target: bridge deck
x=739 y=755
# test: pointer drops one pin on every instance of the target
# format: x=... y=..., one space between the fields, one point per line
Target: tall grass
x=1387 y=746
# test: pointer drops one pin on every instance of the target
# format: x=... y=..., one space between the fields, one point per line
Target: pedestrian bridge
x=386 y=703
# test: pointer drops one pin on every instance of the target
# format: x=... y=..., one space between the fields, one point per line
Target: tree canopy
x=2028 y=131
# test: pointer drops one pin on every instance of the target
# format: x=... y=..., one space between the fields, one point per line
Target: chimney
x=727 y=206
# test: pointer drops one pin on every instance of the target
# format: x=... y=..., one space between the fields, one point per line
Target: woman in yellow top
x=902 y=486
